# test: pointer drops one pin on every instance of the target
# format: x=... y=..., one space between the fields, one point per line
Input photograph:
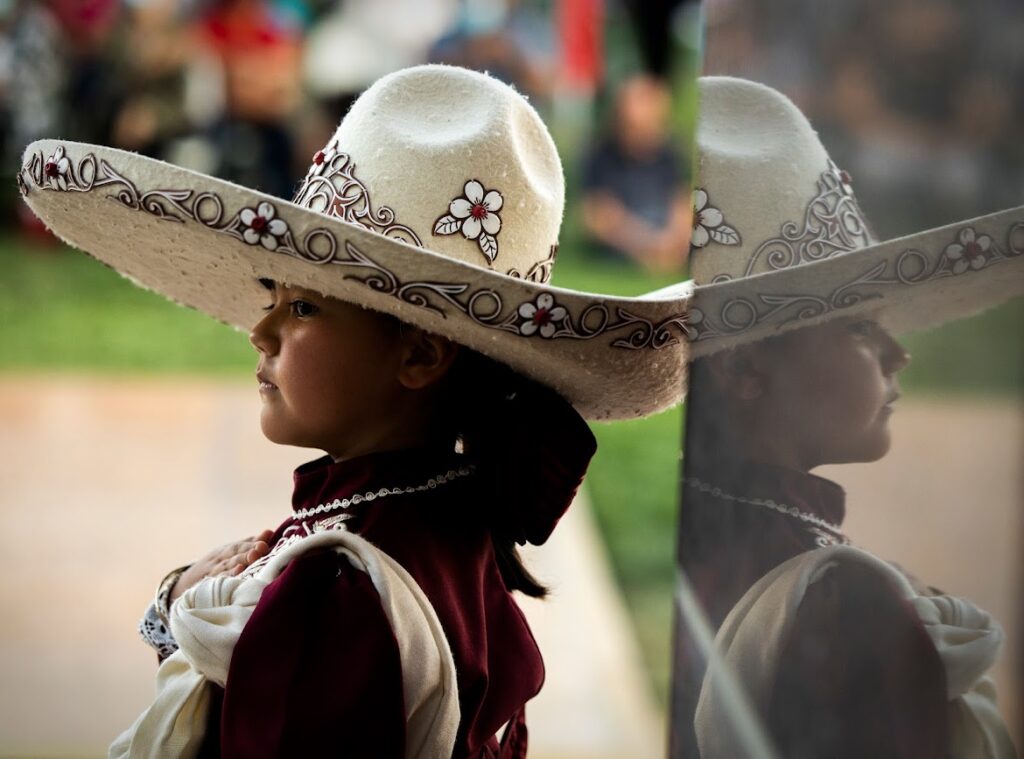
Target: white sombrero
x=438 y=200
x=779 y=241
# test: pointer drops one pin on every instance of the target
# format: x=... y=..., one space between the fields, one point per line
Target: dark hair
x=709 y=425
x=494 y=414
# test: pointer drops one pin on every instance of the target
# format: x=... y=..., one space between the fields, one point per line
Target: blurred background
x=137 y=421
x=921 y=101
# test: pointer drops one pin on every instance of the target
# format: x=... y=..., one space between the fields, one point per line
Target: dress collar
x=324 y=486
x=748 y=481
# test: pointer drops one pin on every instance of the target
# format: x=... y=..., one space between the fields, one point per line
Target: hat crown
x=449 y=160
x=768 y=195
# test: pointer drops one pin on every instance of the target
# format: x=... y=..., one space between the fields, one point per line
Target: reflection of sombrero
x=779 y=241
x=438 y=201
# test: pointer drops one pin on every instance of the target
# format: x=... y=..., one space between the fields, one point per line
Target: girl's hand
x=229 y=559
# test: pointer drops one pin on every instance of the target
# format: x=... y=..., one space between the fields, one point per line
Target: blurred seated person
x=635 y=204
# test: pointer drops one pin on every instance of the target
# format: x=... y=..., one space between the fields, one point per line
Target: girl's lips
x=265 y=384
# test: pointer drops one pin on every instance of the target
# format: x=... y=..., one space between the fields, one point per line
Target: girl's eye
x=862 y=329
x=302 y=308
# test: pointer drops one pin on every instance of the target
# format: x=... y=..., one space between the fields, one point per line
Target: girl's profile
x=404 y=326
x=796 y=366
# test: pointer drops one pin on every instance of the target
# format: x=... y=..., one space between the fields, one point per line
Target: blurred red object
x=86 y=23
x=581 y=36
x=261 y=56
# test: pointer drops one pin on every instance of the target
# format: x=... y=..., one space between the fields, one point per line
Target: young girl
x=840 y=654
x=405 y=327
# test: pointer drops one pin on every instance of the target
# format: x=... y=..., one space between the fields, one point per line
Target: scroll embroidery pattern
x=540 y=317
x=969 y=251
x=331 y=187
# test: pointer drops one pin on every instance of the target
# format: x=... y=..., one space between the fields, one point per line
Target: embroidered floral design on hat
x=321 y=161
x=913 y=266
x=484 y=306
x=970 y=251
x=833 y=224
x=540 y=272
x=260 y=226
x=475 y=214
x=709 y=223
x=842 y=178
x=331 y=187
x=541 y=316
x=56 y=168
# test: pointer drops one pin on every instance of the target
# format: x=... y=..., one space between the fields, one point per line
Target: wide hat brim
x=185 y=235
x=906 y=284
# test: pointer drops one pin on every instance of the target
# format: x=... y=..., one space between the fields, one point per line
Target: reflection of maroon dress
x=858 y=676
x=316 y=671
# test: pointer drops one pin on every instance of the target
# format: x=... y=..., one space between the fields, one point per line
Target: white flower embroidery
x=707 y=224
x=321 y=161
x=475 y=213
x=843 y=178
x=56 y=168
x=541 y=316
x=261 y=227
x=969 y=252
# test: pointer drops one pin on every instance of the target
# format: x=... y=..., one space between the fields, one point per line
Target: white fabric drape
x=208 y=619
x=750 y=639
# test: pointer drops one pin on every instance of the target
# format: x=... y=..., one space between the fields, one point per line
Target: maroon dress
x=858 y=674
x=316 y=670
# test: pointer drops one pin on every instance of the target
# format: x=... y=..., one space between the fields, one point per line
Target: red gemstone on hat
x=318 y=159
x=479 y=211
x=259 y=224
x=541 y=317
x=973 y=249
x=51 y=169
x=844 y=177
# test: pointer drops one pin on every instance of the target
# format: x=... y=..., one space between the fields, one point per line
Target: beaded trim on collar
x=826 y=533
x=344 y=503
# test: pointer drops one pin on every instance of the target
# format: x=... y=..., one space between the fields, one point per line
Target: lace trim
x=344 y=503
x=156 y=634
x=826 y=533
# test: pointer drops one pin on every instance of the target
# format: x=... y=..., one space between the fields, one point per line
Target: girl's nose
x=894 y=356
x=262 y=337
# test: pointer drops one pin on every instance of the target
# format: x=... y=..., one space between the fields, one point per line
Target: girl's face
x=827 y=392
x=329 y=375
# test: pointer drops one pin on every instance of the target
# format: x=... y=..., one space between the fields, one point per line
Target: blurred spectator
x=259 y=51
x=154 y=111
x=920 y=100
x=635 y=204
x=506 y=39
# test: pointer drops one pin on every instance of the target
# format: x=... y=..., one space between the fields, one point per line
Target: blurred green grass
x=61 y=311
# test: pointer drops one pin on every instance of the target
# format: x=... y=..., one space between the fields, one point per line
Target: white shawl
x=208 y=619
x=750 y=638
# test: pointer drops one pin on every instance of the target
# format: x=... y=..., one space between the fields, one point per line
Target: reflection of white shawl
x=208 y=618
x=750 y=638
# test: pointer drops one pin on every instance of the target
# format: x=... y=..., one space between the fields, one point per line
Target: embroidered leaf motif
x=447 y=225
x=488 y=245
x=725 y=235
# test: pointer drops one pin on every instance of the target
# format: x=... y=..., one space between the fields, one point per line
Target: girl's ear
x=737 y=373
x=425 y=358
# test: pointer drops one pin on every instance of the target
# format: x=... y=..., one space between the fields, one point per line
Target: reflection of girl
x=842 y=655
x=377 y=620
